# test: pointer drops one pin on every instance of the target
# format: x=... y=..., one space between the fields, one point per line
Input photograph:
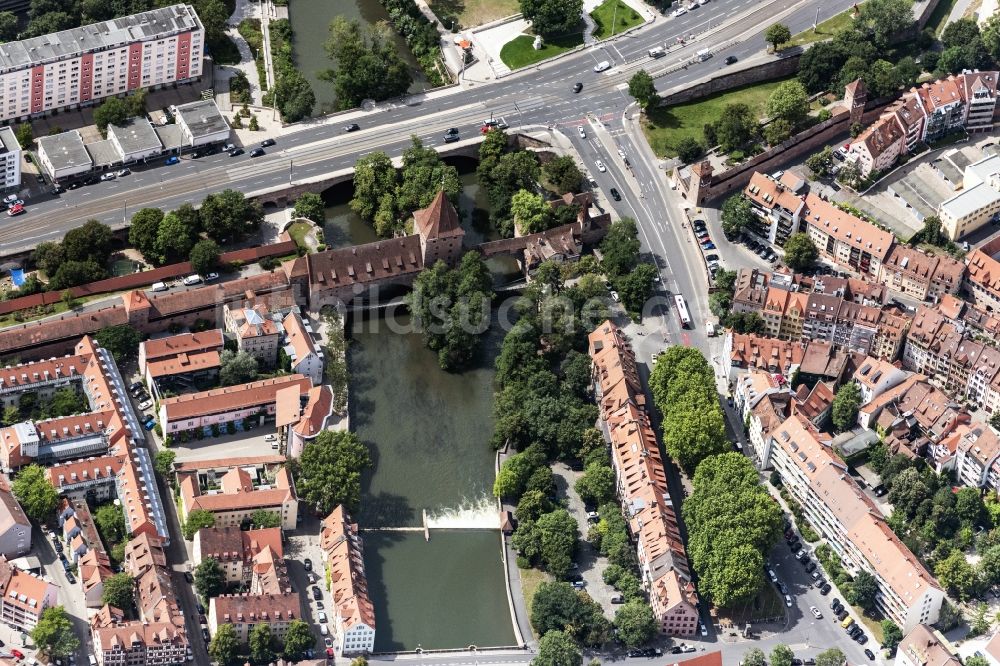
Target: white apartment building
x=82 y=65
x=855 y=529
x=10 y=159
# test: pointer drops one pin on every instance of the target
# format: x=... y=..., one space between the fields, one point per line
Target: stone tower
x=855 y=98
x=440 y=233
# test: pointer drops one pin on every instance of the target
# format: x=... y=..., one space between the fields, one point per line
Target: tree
x=959 y=32
x=620 y=247
x=642 y=87
x=174 y=240
x=931 y=231
x=110 y=522
x=990 y=37
x=164 y=463
x=515 y=471
x=881 y=19
x=845 y=406
x=294 y=96
x=119 y=591
x=8 y=31
x=557 y=649
x=820 y=65
x=556 y=606
x=310 y=206
x=112 y=111
x=777 y=34
x=228 y=215
x=54 y=633
x=907 y=71
x=891 y=635
x=531 y=213
x=224 y=644
x=49 y=23
x=782 y=655
x=551 y=539
x=597 y=485
x=197 y=519
x=74 y=273
x=754 y=657
x=689 y=149
x=831 y=657
x=736 y=128
x=737 y=213
x=25 y=137
x=776 y=131
x=553 y=18
x=957 y=575
x=122 y=341
x=563 y=173
x=298 y=639
x=864 y=591
x=90 y=242
x=263 y=519
x=329 y=471
x=374 y=176
x=238 y=368
x=205 y=256
x=820 y=164
x=143 y=231
x=976 y=660
x=209 y=578
x=800 y=251
x=850 y=175
x=37 y=496
x=260 y=640
x=368 y=64
x=883 y=79
x=789 y=101
x=635 y=623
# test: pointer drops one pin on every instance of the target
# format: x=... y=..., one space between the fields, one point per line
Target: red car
x=17 y=654
x=15 y=210
x=330 y=652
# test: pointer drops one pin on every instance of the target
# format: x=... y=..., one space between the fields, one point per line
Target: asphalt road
x=536 y=96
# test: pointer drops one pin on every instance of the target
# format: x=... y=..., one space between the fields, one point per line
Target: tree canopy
x=310 y=206
x=845 y=406
x=550 y=540
x=800 y=251
x=228 y=215
x=224 y=644
x=236 y=368
x=37 y=496
x=54 y=633
x=635 y=623
x=563 y=173
x=556 y=606
x=789 y=101
x=197 y=519
x=329 y=471
x=298 y=639
x=368 y=64
x=119 y=591
x=777 y=34
x=620 y=248
x=553 y=18
x=557 y=648
x=642 y=87
x=209 y=578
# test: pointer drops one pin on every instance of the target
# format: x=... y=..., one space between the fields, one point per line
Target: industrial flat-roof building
x=64 y=155
x=201 y=123
x=82 y=65
x=135 y=140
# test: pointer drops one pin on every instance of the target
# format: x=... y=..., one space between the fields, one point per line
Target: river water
x=310 y=21
x=429 y=435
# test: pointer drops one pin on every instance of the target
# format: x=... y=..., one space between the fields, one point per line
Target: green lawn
x=530 y=580
x=518 y=52
x=623 y=16
x=298 y=232
x=826 y=29
x=470 y=13
x=666 y=126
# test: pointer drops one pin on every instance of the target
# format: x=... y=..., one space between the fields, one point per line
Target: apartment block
x=920 y=275
x=178 y=360
x=977 y=458
x=641 y=483
x=844 y=239
x=10 y=159
x=779 y=209
x=304 y=354
x=15 y=528
x=237 y=550
x=83 y=65
x=853 y=526
x=24 y=598
x=924 y=646
x=241 y=492
x=245 y=611
x=354 y=612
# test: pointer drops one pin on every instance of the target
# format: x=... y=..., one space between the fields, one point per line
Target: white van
x=709 y=329
x=658 y=52
x=192 y=279
x=323 y=630
x=158 y=286
x=704 y=54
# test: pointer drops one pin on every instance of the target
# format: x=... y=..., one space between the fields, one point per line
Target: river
x=310 y=21
x=429 y=435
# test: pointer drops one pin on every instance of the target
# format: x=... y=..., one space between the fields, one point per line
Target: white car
x=271 y=438
x=602 y=66
x=192 y=280
x=123 y=172
x=10 y=199
x=816 y=614
x=702 y=628
x=321 y=616
x=621 y=154
x=788 y=601
x=211 y=276
x=614 y=296
x=774 y=576
x=583 y=132
x=680 y=11
x=146 y=404
x=600 y=166
x=108 y=176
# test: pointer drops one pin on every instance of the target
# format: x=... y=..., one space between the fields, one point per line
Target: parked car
x=321 y=616
x=256 y=152
x=317 y=593
x=235 y=152
x=869 y=654
x=111 y=175
x=306 y=563
x=146 y=405
x=10 y=199
x=615 y=195
x=810 y=567
x=825 y=589
x=15 y=210
x=173 y=159
x=123 y=172
x=266 y=143
x=149 y=425
x=816 y=612
x=618 y=599
x=579 y=584
x=796 y=547
x=204 y=634
x=188 y=577
x=788 y=601
x=211 y=276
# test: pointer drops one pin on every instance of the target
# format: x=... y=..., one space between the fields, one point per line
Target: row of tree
x=782 y=655
x=368 y=64
x=81 y=257
x=189 y=233
x=387 y=198
x=293 y=94
x=263 y=645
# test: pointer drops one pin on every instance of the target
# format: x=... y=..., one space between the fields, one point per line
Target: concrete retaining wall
x=775 y=69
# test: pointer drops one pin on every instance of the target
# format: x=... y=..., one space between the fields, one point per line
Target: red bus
x=682 y=311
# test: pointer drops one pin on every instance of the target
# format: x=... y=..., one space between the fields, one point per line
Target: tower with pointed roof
x=440 y=232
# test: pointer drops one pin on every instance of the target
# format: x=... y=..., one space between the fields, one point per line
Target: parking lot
x=240 y=444
x=302 y=545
